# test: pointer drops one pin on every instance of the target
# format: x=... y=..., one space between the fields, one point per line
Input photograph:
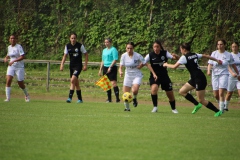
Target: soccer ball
x=127 y=97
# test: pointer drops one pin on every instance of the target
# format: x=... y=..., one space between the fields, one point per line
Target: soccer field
x=53 y=129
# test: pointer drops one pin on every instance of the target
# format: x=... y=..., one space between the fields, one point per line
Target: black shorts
x=76 y=70
x=198 y=83
x=164 y=81
x=112 y=75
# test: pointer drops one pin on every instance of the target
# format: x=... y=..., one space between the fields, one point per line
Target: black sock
x=109 y=94
x=191 y=99
x=116 y=91
x=212 y=107
x=79 y=95
x=71 y=92
x=173 y=104
x=154 y=100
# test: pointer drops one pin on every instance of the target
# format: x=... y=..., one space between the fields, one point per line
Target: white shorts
x=11 y=71
x=219 y=81
x=130 y=80
x=233 y=84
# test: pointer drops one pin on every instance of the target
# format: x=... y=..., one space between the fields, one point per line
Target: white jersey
x=226 y=59
x=236 y=58
x=14 y=52
x=131 y=63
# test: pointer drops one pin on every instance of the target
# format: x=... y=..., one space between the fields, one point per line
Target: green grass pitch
x=44 y=129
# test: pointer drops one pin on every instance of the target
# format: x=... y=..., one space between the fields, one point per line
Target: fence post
x=48 y=75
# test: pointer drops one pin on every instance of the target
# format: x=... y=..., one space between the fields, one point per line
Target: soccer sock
x=226 y=103
x=154 y=100
x=8 y=92
x=173 y=104
x=79 y=94
x=212 y=107
x=116 y=91
x=126 y=104
x=135 y=96
x=109 y=94
x=71 y=92
x=221 y=105
x=190 y=98
x=25 y=91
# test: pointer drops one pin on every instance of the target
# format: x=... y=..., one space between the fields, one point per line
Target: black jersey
x=157 y=61
x=75 y=54
x=193 y=66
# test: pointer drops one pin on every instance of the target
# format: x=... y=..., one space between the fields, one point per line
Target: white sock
x=221 y=105
x=126 y=104
x=25 y=91
x=8 y=92
x=226 y=103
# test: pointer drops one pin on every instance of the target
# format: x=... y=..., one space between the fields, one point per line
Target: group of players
x=225 y=68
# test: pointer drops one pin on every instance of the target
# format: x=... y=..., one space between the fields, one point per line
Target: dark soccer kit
x=157 y=61
x=75 y=55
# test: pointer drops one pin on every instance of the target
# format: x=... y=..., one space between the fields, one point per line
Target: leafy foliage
x=43 y=27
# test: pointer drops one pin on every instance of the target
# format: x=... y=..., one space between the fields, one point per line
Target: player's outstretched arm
x=173 y=66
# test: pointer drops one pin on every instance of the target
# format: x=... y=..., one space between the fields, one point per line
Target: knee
x=182 y=93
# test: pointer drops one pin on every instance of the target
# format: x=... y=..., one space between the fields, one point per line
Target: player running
x=234 y=76
x=220 y=73
x=159 y=75
x=133 y=62
x=198 y=80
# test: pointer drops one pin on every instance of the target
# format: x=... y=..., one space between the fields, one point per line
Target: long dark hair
x=159 y=43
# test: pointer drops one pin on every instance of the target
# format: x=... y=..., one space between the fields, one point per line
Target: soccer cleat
x=135 y=103
x=155 y=109
x=225 y=109
x=7 y=100
x=79 y=101
x=107 y=101
x=174 y=111
x=69 y=100
x=27 y=98
x=127 y=109
x=219 y=113
x=197 y=107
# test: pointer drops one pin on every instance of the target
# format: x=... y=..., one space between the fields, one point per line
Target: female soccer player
x=133 y=62
x=220 y=72
x=75 y=50
x=15 y=66
x=108 y=67
x=198 y=80
x=159 y=75
x=234 y=77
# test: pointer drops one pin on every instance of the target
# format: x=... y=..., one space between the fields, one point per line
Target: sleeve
x=211 y=61
x=182 y=60
x=169 y=56
x=147 y=59
x=20 y=49
x=142 y=59
x=122 y=60
x=231 y=60
x=115 y=54
x=83 y=50
x=199 y=55
x=65 y=50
